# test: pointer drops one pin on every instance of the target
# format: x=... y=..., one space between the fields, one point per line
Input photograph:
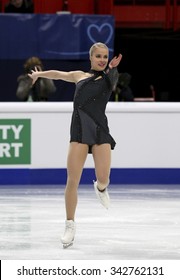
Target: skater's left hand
x=115 y=61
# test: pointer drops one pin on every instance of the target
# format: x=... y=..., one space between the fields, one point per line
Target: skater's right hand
x=34 y=75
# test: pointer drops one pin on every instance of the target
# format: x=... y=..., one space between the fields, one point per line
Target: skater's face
x=99 y=58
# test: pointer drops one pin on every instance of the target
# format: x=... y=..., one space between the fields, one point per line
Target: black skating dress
x=89 y=124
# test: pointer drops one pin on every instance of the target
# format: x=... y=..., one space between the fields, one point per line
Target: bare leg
x=75 y=162
x=102 y=160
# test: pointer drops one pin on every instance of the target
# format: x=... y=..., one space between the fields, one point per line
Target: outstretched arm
x=115 y=61
x=71 y=76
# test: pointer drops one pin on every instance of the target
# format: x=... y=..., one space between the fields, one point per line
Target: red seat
x=2 y=4
x=81 y=7
x=48 y=6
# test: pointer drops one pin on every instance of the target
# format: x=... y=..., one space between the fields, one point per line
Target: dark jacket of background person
x=41 y=90
x=19 y=6
x=123 y=92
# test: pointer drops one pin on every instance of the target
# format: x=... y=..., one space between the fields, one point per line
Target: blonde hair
x=95 y=46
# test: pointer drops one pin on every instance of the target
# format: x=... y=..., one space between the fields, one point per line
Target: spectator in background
x=123 y=91
x=40 y=90
x=19 y=6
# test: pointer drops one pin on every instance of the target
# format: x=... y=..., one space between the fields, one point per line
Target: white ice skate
x=68 y=237
x=102 y=196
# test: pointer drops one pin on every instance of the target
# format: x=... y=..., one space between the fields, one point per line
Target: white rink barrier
x=34 y=137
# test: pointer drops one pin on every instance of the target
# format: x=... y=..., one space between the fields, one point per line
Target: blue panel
x=14 y=177
x=48 y=176
x=145 y=176
x=18 y=36
x=52 y=36
x=135 y=176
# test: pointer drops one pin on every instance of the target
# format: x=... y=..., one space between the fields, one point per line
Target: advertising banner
x=15 y=141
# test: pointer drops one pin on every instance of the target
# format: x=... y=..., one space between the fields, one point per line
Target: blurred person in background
x=40 y=90
x=19 y=6
x=123 y=92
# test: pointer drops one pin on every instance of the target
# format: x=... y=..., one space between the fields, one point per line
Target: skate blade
x=67 y=245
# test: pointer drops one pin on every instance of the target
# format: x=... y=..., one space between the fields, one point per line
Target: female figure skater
x=89 y=127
